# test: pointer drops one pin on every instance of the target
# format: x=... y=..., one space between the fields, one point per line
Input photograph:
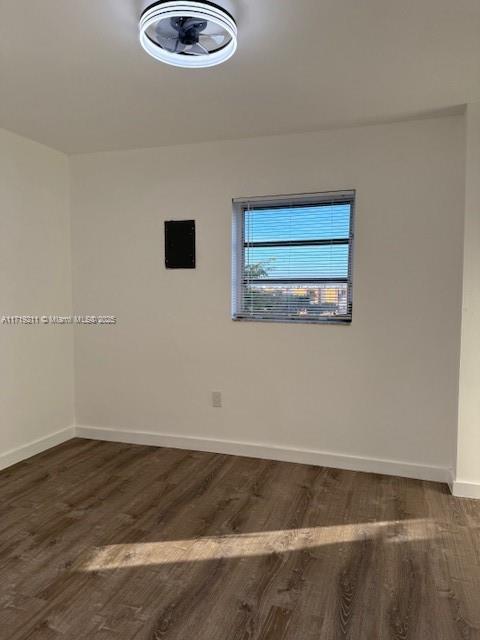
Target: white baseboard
x=451 y=481
x=249 y=449
x=269 y=452
x=465 y=489
x=36 y=446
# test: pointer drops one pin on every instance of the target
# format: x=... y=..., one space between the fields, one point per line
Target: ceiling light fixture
x=191 y=34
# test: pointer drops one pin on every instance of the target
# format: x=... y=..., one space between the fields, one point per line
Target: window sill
x=337 y=321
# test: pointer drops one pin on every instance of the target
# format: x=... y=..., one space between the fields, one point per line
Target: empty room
x=239 y=320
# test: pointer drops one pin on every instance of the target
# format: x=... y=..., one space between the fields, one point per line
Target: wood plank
x=125 y=542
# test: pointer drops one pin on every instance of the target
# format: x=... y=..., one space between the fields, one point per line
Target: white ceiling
x=73 y=76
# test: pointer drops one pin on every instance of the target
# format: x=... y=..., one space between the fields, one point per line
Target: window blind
x=293 y=258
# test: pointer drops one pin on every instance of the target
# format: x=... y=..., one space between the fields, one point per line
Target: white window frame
x=240 y=205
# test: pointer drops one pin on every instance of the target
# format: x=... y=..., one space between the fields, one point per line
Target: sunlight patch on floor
x=141 y=554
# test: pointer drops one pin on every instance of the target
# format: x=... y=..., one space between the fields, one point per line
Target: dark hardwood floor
x=115 y=542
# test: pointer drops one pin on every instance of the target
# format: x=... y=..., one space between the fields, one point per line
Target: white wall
x=36 y=362
x=468 y=456
x=384 y=387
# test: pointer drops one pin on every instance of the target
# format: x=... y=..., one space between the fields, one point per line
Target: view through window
x=293 y=258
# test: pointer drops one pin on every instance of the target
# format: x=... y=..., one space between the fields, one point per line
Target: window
x=293 y=258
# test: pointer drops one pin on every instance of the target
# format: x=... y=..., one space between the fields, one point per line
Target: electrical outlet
x=216 y=399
